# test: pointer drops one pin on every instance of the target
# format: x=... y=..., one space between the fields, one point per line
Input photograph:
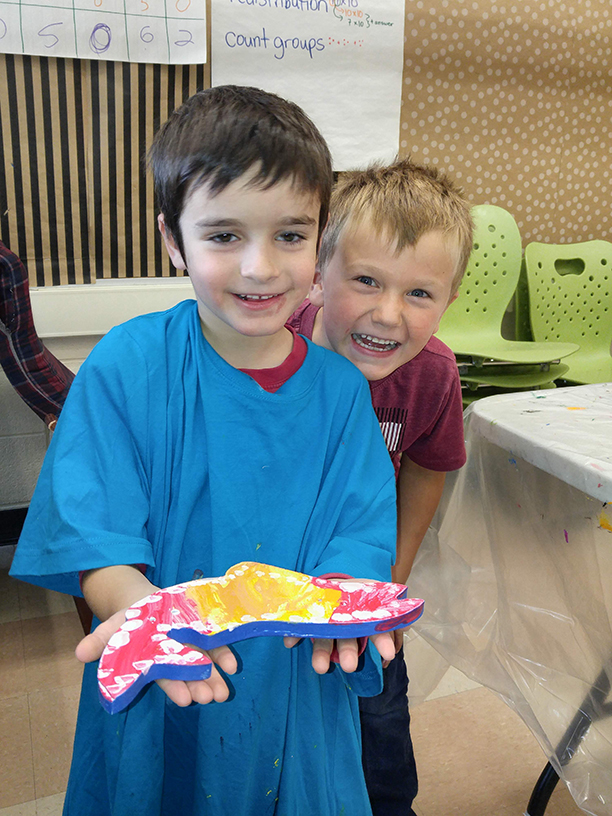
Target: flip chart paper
x=340 y=60
x=156 y=31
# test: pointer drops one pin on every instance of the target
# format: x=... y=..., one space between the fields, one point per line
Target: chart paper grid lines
x=152 y=31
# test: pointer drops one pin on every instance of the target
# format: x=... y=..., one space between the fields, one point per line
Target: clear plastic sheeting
x=516 y=573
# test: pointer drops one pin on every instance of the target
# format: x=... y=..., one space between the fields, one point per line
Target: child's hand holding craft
x=348 y=651
x=130 y=584
x=156 y=638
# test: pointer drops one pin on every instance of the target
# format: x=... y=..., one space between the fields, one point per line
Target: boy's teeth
x=376 y=343
x=256 y=297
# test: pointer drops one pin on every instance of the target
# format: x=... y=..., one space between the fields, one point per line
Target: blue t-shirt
x=167 y=456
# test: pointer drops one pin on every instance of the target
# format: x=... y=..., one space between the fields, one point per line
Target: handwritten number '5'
x=44 y=33
x=145 y=4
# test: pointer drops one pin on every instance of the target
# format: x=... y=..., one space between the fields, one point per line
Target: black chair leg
x=542 y=791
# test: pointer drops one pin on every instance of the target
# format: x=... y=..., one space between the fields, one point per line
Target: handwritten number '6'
x=146 y=35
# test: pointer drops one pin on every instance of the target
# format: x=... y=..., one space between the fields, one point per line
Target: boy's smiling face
x=380 y=307
x=250 y=254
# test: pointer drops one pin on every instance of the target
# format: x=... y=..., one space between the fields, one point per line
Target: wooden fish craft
x=250 y=600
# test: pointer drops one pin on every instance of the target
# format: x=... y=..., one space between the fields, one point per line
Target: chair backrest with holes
x=570 y=292
x=491 y=276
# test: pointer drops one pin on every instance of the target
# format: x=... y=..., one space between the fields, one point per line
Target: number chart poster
x=340 y=60
x=162 y=31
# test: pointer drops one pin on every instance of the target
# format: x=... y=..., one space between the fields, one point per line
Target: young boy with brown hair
x=186 y=443
x=391 y=260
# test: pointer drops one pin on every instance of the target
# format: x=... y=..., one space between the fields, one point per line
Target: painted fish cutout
x=250 y=600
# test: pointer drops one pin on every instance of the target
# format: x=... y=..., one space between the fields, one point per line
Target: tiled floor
x=475 y=757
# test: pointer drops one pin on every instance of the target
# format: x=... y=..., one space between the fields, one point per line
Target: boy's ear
x=316 y=290
x=173 y=251
x=451 y=300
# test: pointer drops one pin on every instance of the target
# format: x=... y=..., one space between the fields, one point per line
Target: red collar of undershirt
x=271 y=379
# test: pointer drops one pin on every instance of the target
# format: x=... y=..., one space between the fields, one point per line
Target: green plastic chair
x=512 y=377
x=471 y=326
x=570 y=299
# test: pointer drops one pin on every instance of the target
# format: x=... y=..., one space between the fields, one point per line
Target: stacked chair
x=472 y=325
x=570 y=299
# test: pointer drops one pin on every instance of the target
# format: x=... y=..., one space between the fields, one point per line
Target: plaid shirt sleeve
x=40 y=379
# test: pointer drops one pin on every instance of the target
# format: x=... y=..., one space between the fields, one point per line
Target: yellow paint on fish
x=262 y=595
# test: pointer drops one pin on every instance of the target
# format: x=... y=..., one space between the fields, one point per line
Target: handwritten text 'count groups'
x=280 y=45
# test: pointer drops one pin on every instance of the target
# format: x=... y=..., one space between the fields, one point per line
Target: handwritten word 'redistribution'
x=299 y=5
x=280 y=45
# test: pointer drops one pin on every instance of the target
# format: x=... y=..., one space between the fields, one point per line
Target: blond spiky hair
x=402 y=201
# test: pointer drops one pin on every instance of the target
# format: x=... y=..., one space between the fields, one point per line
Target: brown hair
x=219 y=134
x=404 y=201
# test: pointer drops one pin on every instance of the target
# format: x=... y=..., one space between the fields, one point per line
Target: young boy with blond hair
x=391 y=260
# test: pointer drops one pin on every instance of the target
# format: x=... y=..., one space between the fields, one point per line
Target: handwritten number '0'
x=44 y=33
x=96 y=44
x=178 y=2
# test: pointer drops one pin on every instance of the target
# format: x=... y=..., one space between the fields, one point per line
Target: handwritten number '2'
x=181 y=43
x=3 y=29
x=44 y=33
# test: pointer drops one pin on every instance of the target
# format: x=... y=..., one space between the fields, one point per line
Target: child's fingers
x=385 y=645
x=90 y=648
x=291 y=641
x=225 y=658
x=195 y=691
x=177 y=691
x=321 y=650
x=205 y=691
x=348 y=654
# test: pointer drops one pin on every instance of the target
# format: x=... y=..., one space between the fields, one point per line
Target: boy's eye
x=223 y=238
x=366 y=280
x=290 y=237
x=419 y=293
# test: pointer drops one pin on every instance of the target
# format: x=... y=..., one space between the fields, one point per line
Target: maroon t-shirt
x=418 y=405
x=271 y=379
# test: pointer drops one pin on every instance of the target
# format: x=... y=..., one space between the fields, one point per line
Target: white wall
x=70 y=320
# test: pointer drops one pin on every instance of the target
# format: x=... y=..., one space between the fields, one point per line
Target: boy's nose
x=259 y=265
x=388 y=312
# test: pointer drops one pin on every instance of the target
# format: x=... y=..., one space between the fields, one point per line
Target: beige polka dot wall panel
x=514 y=100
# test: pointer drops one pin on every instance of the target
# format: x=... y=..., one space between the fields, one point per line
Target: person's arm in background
x=40 y=379
x=418 y=494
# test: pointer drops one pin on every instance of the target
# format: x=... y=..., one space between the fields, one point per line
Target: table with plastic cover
x=516 y=573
